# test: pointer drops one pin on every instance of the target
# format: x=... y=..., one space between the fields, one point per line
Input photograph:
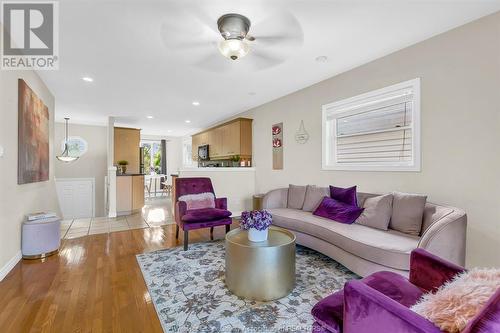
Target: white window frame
x=345 y=107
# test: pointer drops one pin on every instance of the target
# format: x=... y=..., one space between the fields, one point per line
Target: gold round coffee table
x=260 y=271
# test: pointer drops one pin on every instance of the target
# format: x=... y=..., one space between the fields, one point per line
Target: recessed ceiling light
x=196 y=103
x=149 y=117
x=87 y=79
x=187 y=121
x=322 y=59
x=169 y=131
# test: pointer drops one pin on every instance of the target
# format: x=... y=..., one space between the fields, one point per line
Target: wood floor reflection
x=94 y=284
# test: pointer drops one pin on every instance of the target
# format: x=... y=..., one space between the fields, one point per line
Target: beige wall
x=18 y=200
x=93 y=164
x=460 y=82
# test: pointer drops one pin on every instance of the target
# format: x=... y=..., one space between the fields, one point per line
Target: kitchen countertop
x=211 y=169
x=129 y=174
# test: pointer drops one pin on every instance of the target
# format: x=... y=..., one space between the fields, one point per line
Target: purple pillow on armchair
x=345 y=195
x=338 y=211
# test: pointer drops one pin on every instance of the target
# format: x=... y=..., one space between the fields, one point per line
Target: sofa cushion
x=198 y=200
x=337 y=211
x=296 y=196
x=205 y=214
x=390 y=248
x=329 y=311
x=407 y=212
x=314 y=195
x=346 y=195
x=377 y=212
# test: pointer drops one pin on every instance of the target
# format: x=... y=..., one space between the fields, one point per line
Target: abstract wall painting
x=277 y=133
x=33 y=137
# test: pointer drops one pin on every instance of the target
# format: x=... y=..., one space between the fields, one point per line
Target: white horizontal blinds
x=379 y=133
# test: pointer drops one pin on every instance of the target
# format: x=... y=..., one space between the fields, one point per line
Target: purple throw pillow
x=338 y=211
x=346 y=195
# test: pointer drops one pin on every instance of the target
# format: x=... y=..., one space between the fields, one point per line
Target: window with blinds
x=376 y=131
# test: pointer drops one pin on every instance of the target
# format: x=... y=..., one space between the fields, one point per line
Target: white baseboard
x=9 y=265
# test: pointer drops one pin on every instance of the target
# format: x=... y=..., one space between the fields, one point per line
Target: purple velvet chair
x=380 y=302
x=198 y=218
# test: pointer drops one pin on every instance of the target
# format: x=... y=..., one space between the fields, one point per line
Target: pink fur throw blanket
x=198 y=201
x=459 y=300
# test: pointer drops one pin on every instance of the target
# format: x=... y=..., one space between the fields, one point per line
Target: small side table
x=261 y=271
x=41 y=238
x=257 y=201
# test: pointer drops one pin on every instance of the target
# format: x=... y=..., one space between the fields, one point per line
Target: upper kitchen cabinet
x=226 y=140
x=126 y=147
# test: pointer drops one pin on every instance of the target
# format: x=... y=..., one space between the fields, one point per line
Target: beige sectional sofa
x=365 y=250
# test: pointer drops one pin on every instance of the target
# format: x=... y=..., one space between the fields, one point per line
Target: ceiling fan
x=234 y=29
x=266 y=44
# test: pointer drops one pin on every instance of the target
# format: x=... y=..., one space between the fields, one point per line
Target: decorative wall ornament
x=277 y=133
x=33 y=137
x=301 y=136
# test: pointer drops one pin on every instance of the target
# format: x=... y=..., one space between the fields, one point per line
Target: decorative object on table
x=385 y=299
x=277 y=141
x=40 y=237
x=40 y=216
x=33 y=137
x=122 y=166
x=191 y=219
x=257 y=223
x=66 y=156
x=235 y=160
x=189 y=292
x=301 y=136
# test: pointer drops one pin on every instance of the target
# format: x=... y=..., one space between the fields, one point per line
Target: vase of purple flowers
x=257 y=223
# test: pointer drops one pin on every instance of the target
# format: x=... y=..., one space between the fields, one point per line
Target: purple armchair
x=380 y=302
x=198 y=218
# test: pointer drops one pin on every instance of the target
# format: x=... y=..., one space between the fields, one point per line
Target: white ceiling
x=130 y=50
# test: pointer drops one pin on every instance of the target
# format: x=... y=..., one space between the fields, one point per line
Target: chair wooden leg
x=211 y=233
x=186 y=239
x=228 y=227
x=176 y=231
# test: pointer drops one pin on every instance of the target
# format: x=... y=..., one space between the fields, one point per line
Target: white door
x=76 y=197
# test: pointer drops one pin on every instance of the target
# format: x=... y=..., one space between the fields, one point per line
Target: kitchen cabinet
x=126 y=147
x=129 y=193
x=226 y=140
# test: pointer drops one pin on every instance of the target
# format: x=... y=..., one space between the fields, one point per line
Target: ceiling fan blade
x=281 y=29
x=214 y=62
x=263 y=60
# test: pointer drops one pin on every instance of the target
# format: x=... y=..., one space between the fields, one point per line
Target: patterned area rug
x=189 y=293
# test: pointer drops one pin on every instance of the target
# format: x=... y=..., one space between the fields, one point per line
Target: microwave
x=203 y=153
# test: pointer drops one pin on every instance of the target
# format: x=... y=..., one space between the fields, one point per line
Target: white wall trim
x=10 y=265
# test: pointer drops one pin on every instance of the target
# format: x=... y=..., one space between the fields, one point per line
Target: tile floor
x=156 y=212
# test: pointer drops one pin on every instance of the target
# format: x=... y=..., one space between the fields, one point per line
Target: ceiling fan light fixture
x=233 y=49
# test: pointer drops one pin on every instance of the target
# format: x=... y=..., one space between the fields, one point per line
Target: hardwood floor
x=94 y=284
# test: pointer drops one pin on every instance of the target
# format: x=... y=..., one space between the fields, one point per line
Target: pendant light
x=64 y=157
